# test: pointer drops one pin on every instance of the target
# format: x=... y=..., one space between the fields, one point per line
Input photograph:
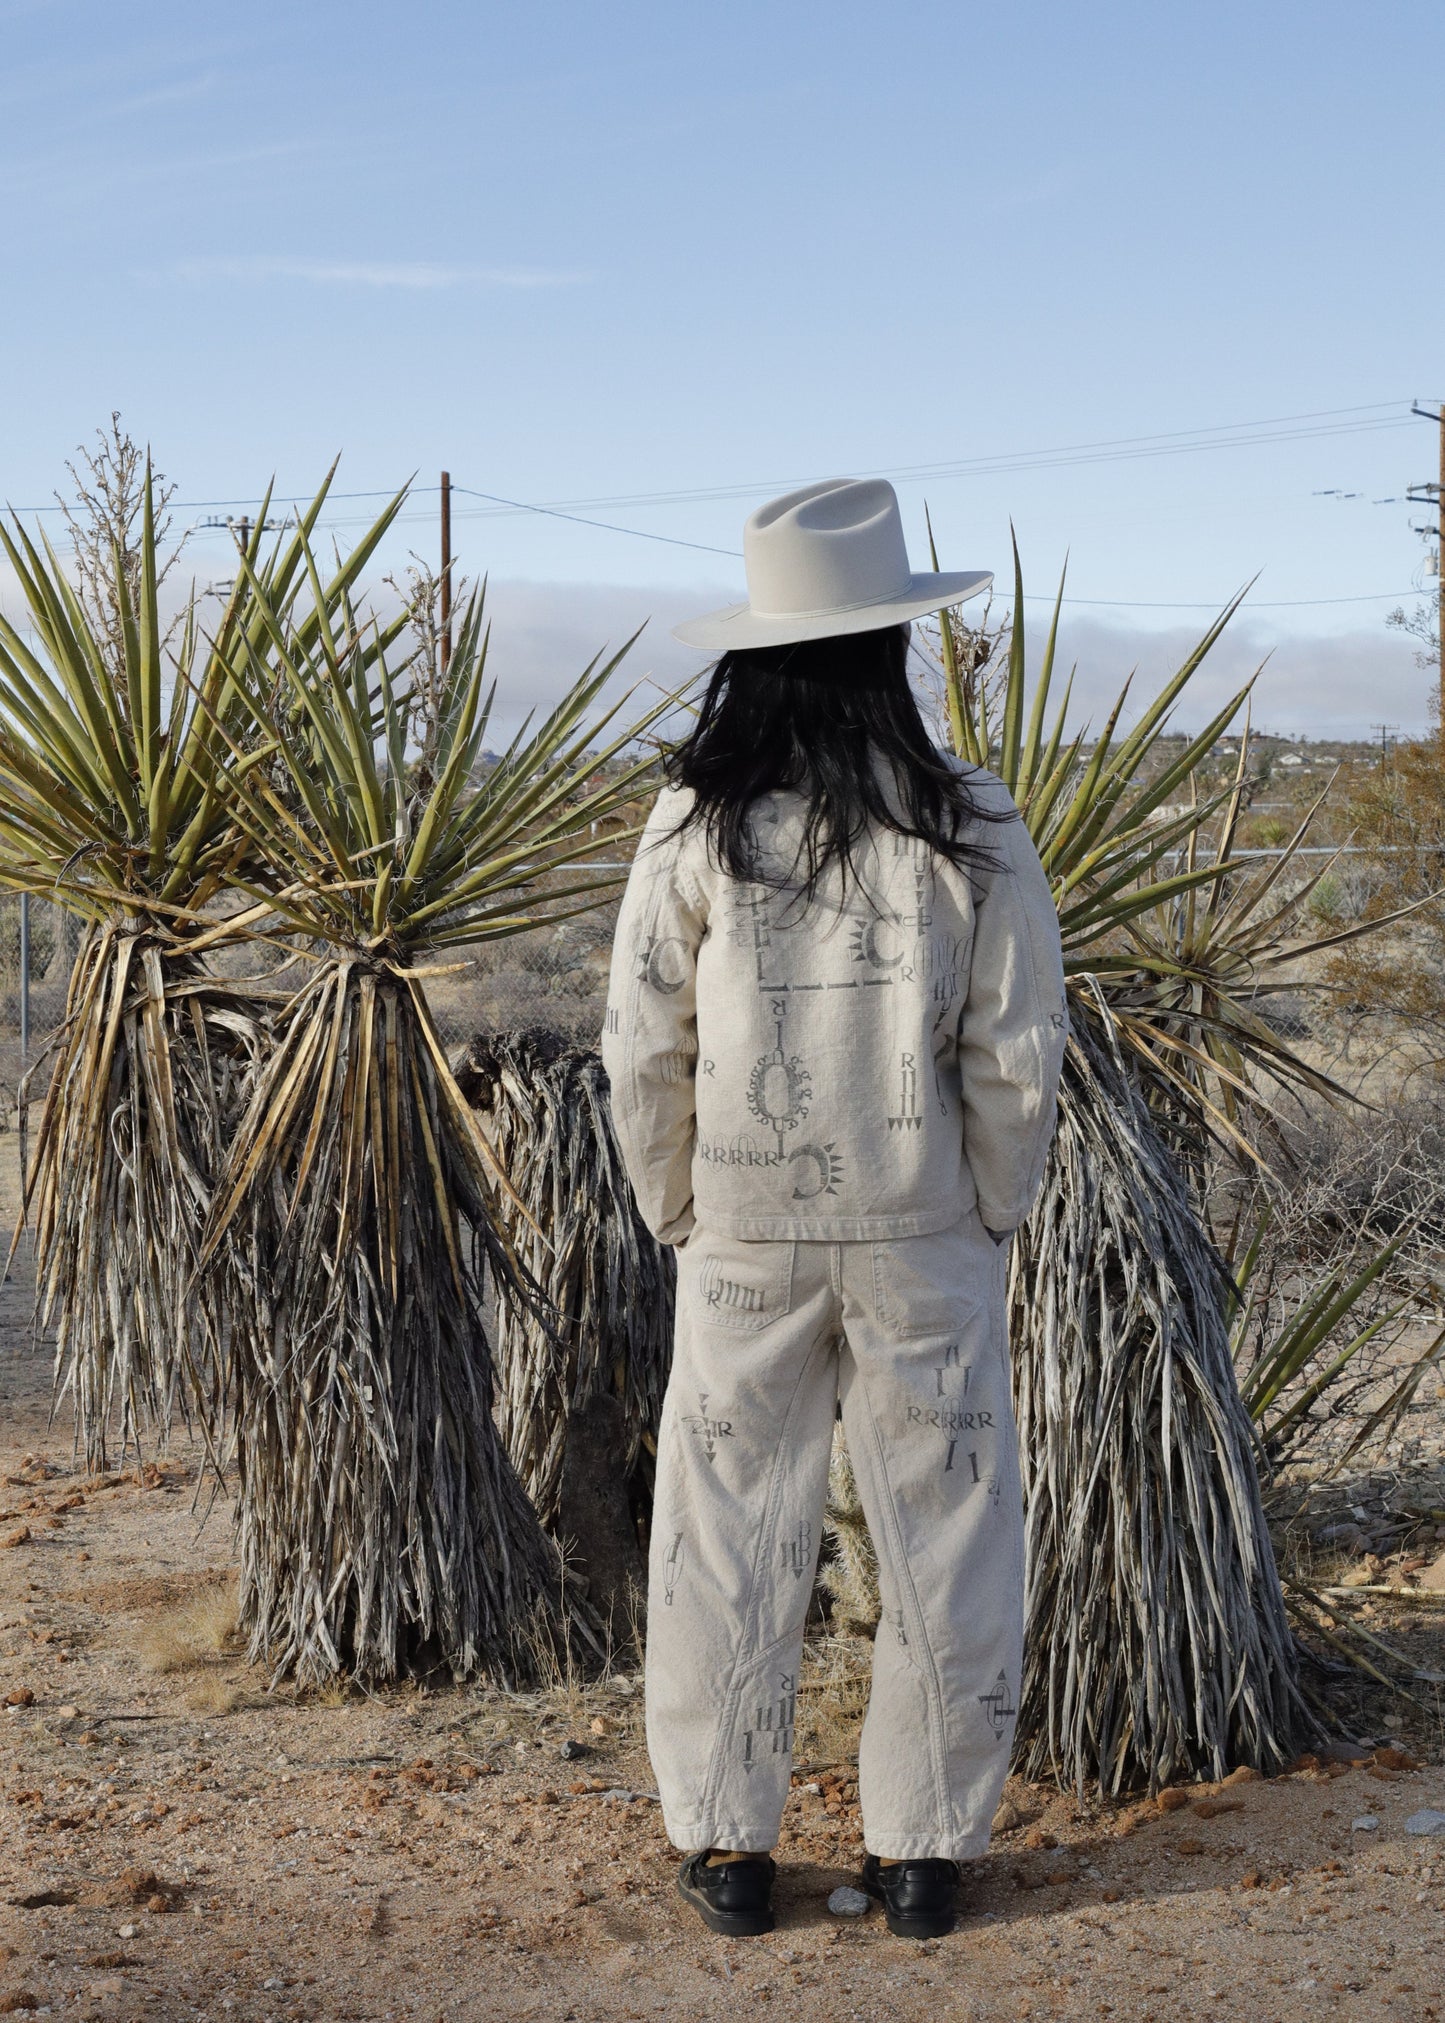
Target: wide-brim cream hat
x=826 y=560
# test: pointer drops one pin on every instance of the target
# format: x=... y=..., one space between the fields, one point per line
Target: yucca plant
x=1157 y=1644
x=569 y=1214
x=115 y=754
x=382 y=1523
x=1301 y=1339
x=1157 y=1641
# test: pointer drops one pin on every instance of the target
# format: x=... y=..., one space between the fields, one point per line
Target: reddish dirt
x=180 y=1844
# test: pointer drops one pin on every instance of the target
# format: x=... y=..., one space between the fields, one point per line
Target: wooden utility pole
x=445 y=643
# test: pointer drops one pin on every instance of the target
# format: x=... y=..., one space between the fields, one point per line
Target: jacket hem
x=831 y=1228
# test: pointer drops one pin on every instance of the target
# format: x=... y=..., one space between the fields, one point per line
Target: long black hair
x=836 y=721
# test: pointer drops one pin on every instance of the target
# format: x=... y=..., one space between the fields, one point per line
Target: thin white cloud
x=407 y=274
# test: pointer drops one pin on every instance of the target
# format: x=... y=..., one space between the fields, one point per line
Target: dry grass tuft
x=213 y=1695
x=192 y=1635
x=833 y=1688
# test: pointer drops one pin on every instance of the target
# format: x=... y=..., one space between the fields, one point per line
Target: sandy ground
x=174 y=1842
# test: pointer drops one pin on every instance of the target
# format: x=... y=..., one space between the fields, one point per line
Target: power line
x=1122 y=449
x=1173 y=442
x=556 y=513
x=1179 y=442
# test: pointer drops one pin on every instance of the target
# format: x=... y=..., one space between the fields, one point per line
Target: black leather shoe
x=732 y=1897
x=919 y=1898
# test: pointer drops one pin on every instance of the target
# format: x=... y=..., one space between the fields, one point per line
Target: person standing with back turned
x=834 y=1032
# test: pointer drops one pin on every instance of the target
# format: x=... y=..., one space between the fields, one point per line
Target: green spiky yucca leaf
x=114 y=783
x=381 y=1515
x=1187 y=942
x=111 y=798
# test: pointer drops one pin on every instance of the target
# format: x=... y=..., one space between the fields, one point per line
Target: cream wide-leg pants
x=910 y=1335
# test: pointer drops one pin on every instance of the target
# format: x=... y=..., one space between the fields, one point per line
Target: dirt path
x=175 y=1844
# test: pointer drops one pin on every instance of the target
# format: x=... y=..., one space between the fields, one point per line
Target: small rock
x=1039 y=1836
x=1245 y=1774
x=1007 y=1817
x=618 y=1795
x=1365 y=1823
x=1432 y=1577
x=1171 y=1798
x=1390 y=1758
x=1427 y=1820
x=571 y=1750
x=599 y=1725
x=127 y=1931
x=20 y=1696
x=20 y=1537
x=67 y=1714
x=847 y=1903
x=1344 y=1537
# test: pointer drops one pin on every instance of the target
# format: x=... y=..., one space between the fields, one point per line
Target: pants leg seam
x=903 y=1574
x=745 y=1655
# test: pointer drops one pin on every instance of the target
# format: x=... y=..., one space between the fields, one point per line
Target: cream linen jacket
x=868 y=1065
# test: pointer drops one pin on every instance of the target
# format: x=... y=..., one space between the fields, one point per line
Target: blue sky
x=595 y=254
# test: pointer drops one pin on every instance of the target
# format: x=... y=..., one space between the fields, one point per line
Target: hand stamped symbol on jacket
x=780 y=1090
x=877 y=940
x=663 y=963
x=909 y=1117
x=819 y=1171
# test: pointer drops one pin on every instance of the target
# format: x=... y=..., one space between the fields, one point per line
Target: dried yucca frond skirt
x=573 y=1223
x=149 y=1074
x=1156 y=1642
x=381 y=1524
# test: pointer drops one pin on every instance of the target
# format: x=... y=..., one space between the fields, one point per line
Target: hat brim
x=738 y=625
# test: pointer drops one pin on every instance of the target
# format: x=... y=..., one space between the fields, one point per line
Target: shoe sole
x=730 y=1924
x=914 y=1924
x=919 y=1927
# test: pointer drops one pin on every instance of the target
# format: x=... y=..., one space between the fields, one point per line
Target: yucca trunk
x=381 y=1525
x=1156 y=1644
x=572 y=1221
x=149 y=1071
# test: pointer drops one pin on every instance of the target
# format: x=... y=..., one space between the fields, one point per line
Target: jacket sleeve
x=1012 y=1030
x=649 y=1040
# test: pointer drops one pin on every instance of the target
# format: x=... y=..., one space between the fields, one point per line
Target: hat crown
x=834 y=546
